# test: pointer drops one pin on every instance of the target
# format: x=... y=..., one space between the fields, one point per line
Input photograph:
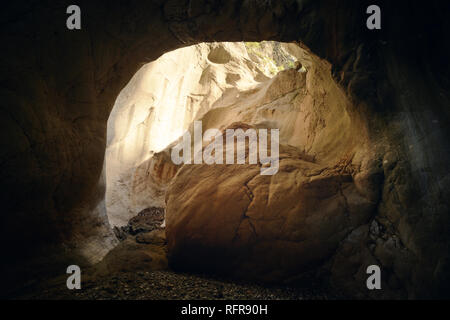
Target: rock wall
x=161 y=102
x=59 y=86
x=233 y=220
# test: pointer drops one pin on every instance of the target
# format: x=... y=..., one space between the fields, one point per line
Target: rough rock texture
x=142 y=246
x=160 y=103
x=147 y=220
x=59 y=86
x=233 y=220
x=146 y=251
x=168 y=285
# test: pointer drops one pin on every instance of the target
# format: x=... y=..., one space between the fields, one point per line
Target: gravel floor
x=168 y=285
x=120 y=275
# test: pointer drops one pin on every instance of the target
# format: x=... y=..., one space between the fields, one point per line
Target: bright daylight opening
x=160 y=103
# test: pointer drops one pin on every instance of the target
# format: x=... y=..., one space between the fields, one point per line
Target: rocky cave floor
x=168 y=285
x=137 y=270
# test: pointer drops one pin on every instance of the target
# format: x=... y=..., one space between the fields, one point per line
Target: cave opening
x=363 y=174
x=220 y=218
x=163 y=99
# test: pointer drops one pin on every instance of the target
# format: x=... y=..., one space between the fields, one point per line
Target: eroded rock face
x=145 y=221
x=59 y=86
x=267 y=228
x=160 y=103
x=233 y=220
x=145 y=251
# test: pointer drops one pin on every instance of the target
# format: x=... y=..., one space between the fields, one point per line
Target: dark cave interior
x=383 y=150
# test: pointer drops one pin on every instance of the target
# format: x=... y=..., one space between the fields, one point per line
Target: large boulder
x=59 y=85
x=233 y=220
x=159 y=104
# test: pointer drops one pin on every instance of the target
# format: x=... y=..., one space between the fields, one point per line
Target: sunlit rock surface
x=59 y=86
x=160 y=103
x=232 y=220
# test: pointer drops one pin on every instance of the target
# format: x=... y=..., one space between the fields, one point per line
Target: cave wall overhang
x=59 y=87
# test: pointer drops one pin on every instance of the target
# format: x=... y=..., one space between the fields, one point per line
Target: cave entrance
x=224 y=218
x=160 y=103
